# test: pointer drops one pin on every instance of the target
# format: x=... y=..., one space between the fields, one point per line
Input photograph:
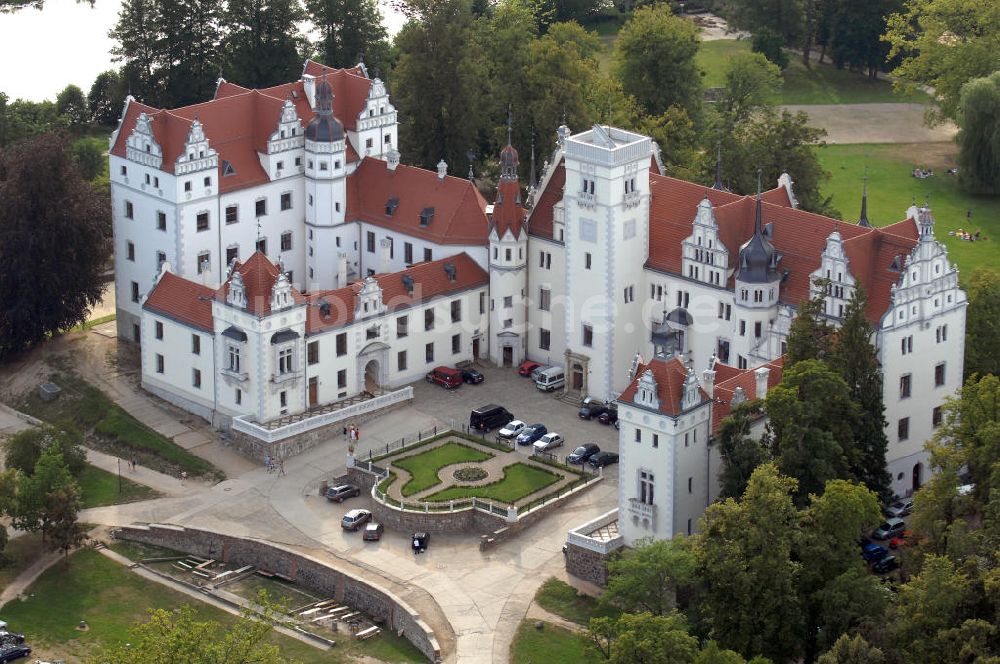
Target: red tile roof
x=430 y=280
x=259 y=275
x=670 y=375
x=745 y=378
x=508 y=212
x=540 y=219
x=186 y=302
x=459 y=208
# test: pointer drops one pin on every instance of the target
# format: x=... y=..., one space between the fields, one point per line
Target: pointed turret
x=863 y=221
x=718 y=168
x=324 y=127
x=758 y=258
x=508 y=211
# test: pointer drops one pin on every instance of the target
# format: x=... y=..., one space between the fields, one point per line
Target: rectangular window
x=161 y=258
x=508 y=323
x=234 y=358
x=187 y=186
x=262 y=245
x=904 y=386
x=196 y=378
x=402 y=327
x=286 y=241
x=408 y=253
x=586 y=261
x=645 y=488
x=312 y=352
x=743 y=328
x=638 y=435
x=428 y=255
x=936 y=417
x=428 y=319
x=286 y=201
x=239 y=396
x=456 y=344
x=401 y=360
x=260 y=207
x=202 y=221
x=130 y=251
x=757 y=329
x=124 y=170
x=903 y=429
x=158 y=330
x=135 y=292
x=161 y=221
x=207 y=181
x=204 y=260
x=939 y=374
x=196 y=344
x=232 y=253
x=129 y=210
x=283 y=399
x=159 y=363
x=370 y=242
x=588 y=335
x=544 y=299
x=482 y=302
x=456 y=311
x=544 y=339
x=342 y=379
x=508 y=301
x=656 y=440
x=342 y=344
x=690 y=484
x=285 y=365
x=429 y=352
x=232 y=214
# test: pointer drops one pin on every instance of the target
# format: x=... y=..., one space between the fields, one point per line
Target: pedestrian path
x=162 y=482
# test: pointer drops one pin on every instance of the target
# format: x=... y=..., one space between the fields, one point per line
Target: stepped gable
x=184 y=301
x=742 y=378
x=239 y=121
x=259 y=275
x=429 y=279
x=670 y=374
x=459 y=210
x=540 y=221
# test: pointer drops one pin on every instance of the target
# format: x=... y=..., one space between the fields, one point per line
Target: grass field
x=560 y=598
x=111 y=599
x=19 y=554
x=424 y=467
x=550 y=645
x=891 y=187
x=99 y=487
x=519 y=480
x=91 y=410
x=821 y=84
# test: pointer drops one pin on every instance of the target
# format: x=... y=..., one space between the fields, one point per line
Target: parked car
x=531 y=433
x=889 y=529
x=872 y=552
x=527 y=367
x=549 y=441
x=419 y=542
x=591 y=409
x=373 y=532
x=899 y=509
x=355 y=519
x=489 y=417
x=899 y=540
x=11 y=652
x=602 y=459
x=539 y=370
x=582 y=453
x=472 y=376
x=609 y=416
x=512 y=429
x=885 y=565
x=10 y=638
x=549 y=379
x=446 y=377
x=342 y=492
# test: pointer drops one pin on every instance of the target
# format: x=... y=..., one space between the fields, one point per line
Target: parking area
x=519 y=395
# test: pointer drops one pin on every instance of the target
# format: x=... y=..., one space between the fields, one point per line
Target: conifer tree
x=262 y=46
x=350 y=31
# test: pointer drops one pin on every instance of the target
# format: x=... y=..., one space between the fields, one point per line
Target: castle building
x=274 y=258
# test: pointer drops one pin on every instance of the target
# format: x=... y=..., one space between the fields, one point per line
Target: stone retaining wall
x=586 y=564
x=303 y=569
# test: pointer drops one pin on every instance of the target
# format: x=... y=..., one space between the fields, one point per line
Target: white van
x=551 y=379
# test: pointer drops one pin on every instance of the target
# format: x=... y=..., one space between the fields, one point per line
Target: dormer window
x=227 y=168
x=390 y=206
x=426 y=216
x=647 y=393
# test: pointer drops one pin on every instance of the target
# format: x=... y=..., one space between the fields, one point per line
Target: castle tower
x=326 y=190
x=508 y=265
x=756 y=298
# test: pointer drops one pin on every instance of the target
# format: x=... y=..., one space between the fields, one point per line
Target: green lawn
x=562 y=599
x=519 y=481
x=19 y=554
x=111 y=599
x=424 y=467
x=99 y=487
x=91 y=410
x=821 y=84
x=551 y=645
x=891 y=186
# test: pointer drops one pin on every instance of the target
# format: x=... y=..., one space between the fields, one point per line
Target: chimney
x=761 y=374
x=708 y=381
x=341 y=270
x=392 y=159
x=309 y=87
x=442 y=169
x=385 y=246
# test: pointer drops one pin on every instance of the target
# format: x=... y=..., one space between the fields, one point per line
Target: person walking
x=281 y=466
x=184 y=477
x=267 y=462
x=134 y=462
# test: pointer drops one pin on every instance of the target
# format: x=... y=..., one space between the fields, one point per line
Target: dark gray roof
x=324 y=128
x=283 y=336
x=234 y=333
x=758 y=257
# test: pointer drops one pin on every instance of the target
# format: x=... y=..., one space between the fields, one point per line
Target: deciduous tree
x=72 y=103
x=136 y=35
x=262 y=46
x=644 y=637
x=809 y=337
x=350 y=31
x=106 y=98
x=752 y=82
x=847 y=650
x=982 y=323
x=54 y=250
x=646 y=578
x=62 y=531
x=25 y=448
x=31 y=504
x=741 y=453
x=979 y=135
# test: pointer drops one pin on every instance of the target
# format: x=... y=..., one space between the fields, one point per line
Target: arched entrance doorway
x=577 y=377
x=372 y=377
x=918 y=471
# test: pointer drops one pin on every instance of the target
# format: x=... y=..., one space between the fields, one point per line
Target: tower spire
x=532 y=179
x=863 y=221
x=757 y=214
x=718 y=167
x=510 y=123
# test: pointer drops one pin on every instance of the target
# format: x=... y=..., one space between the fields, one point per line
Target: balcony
x=586 y=200
x=642 y=510
x=632 y=199
x=235 y=375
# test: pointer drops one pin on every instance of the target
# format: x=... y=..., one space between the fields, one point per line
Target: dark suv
x=582 y=453
x=342 y=492
x=11 y=652
x=531 y=434
x=592 y=409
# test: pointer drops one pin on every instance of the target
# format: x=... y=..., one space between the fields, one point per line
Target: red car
x=899 y=540
x=446 y=377
x=527 y=367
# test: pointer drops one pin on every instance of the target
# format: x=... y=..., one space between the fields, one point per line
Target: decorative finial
x=759 y=172
x=510 y=123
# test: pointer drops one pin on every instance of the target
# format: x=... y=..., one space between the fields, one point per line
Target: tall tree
x=62 y=531
x=136 y=36
x=744 y=559
x=188 y=50
x=33 y=510
x=979 y=137
x=262 y=46
x=646 y=578
x=72 y=103
x=809 y=337
x=21 y=119
x=24 y=449
x=53 y=225
x=752 y=82
x=783 y=17
x=943 y=44
x=810 y=416
x=654 y=58
x=982 y=323
x=856 y=29
x=644 y=637
x=854 y=357
x=350 y=31
x=438 y=84
x=741 y=453
x=106 y=97
x=847 y=650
